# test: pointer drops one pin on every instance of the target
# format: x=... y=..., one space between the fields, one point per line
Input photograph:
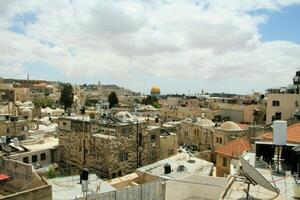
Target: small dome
x=205 y=122
x=155 y=90
x=230 y=126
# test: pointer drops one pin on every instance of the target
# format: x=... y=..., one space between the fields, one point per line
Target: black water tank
x=85 y=174
x=167 y=168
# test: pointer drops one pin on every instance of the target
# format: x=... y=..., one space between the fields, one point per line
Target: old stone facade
x=13 y=127
x=196 y=134
x=113 y=149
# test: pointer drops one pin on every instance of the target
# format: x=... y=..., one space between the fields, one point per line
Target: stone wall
x=39 y=193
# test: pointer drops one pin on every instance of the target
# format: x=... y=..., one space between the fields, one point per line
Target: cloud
x=179 y=40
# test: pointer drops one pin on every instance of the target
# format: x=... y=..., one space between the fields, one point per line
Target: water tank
x=167 y=168
x=16 y=142
x=85 y=174
x=3 y=139
x=279 y=132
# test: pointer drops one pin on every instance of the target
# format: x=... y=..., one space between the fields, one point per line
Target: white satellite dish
x=255 y=176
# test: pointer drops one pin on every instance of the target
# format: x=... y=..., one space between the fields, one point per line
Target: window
x=123 y=156
x=186 y=133
x=114 y=175
x=34 y=158
x=277 y=116
x=219 y=140
x=170 y=152
x=25 y=160
x=275 y=103
x=120 y=173
x=296 y=104
x=153 y=138
x=224 y=162
x=126 y=130
x=64 y=123
x=43 y=156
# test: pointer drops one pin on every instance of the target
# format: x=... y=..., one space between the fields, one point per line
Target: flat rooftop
x=65 y=188
x=181 y=164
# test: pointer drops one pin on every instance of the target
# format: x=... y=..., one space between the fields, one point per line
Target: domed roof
x=230 y=126
x=205 y=122
x=155 y=90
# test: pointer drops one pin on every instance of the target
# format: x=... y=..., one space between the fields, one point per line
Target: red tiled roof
x=40 y=85
x=4 y=177
x=292 y=134
x=235 y=147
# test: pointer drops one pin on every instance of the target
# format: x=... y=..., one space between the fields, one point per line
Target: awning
x=4 y=178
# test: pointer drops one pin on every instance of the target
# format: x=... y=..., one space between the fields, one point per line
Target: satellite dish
x=251 y=173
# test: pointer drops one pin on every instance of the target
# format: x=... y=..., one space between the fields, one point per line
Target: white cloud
x=183 y=40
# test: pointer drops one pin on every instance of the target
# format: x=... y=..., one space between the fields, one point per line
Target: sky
x=184 y=46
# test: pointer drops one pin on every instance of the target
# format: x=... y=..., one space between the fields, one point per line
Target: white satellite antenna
x=255 y=177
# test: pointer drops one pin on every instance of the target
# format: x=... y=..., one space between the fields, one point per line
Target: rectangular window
x=25 y=160
x=186 y=133
x=170 y=152
x=123 y=156
x=64 y=123
x=43 y=156
x=275 y=103
x=34 y=158
x=126 y=130
x=153 y=138
x=224 y=162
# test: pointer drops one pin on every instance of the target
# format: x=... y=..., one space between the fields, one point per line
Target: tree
x=150 y=100
x=67 y=96
x=113 y=100
x=43 y=102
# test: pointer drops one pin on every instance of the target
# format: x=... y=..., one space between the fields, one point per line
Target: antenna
x=255 y=177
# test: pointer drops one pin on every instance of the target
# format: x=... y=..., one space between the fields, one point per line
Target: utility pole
x=137 y=139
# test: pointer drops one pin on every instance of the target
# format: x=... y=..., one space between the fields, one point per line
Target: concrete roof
x=192 y=166
x=99 y=135
x=64 y=188
x=40 y=144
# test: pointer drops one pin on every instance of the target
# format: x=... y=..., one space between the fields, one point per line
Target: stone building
x=12 y=126
x=168 y=144
x=195 y=133
x=113 y=147
x=227 y=132
x=229 y=152
x=283 y=103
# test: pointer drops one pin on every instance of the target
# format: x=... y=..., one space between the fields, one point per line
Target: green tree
x=113 y=100
x=151 y=100
x=43 y=102
x=67 y=96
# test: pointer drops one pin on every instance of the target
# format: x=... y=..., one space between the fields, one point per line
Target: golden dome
x=155 y=90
